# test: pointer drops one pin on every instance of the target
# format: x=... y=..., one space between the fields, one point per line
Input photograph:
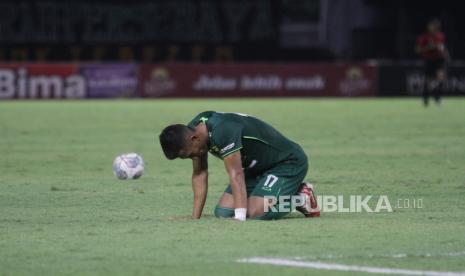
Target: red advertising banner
x=71 y=81
x=256 y=80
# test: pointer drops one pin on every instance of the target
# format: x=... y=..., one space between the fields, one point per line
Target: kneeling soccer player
x=263 y=165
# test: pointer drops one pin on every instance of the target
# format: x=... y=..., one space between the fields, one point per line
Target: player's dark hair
x=172 y=140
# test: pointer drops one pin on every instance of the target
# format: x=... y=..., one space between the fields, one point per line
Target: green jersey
x=262 y=147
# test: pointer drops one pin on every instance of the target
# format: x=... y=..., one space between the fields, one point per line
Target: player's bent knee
x=256 y=207
x=223 y=212
x=261 y=209
x=254 y=213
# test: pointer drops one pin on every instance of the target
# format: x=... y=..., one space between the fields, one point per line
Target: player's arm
x=233 y=166
x=441 y=47
x=446 y=54
x=199 y=184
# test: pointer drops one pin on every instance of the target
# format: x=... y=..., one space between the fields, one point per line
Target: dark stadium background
x=269 y=30
x=381 y=34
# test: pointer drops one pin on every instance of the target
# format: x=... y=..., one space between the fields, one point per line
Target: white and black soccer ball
x=128 y=166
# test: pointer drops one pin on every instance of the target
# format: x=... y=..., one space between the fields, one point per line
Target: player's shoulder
x=223 y=125
x=206 y=114
x=201 y=117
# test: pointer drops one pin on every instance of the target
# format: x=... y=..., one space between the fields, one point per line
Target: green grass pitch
x=63 y=212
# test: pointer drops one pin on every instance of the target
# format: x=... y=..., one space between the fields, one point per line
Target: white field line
x=342 y=267
x=394 y=255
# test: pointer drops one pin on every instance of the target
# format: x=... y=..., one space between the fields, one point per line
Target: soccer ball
x=128 y=166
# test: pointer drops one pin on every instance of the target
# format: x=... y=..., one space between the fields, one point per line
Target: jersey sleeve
x=228 y=138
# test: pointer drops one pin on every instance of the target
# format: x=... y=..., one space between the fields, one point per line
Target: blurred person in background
x=431 y=47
